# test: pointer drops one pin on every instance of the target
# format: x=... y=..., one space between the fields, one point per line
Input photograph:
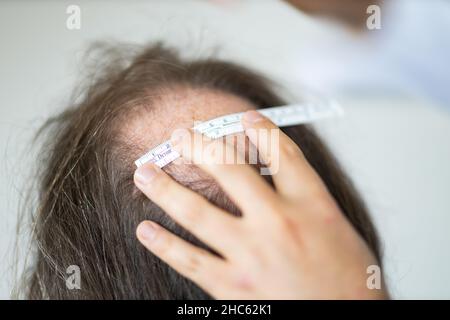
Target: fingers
x=293 y=176
x=188 y=208
x=190 y=261
x=241 y=182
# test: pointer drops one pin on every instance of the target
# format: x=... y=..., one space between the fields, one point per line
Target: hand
x=292 y=242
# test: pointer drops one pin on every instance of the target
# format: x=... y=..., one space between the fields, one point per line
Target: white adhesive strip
x=282 y=116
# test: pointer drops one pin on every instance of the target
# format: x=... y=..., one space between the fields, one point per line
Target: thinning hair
x=88 y=206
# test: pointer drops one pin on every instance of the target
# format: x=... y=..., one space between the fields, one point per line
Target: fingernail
x=147 y=231
x=145 y=174
x=252 y=116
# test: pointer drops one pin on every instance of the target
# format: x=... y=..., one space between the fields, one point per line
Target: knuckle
x=192 y=215
x=162 y=244
x=281 y=221
x=281 y=224
x=317 y=197
x=159 y=185
x=214 y=151
x=193 y=263
x=243 y=280
x=290 y=150
x=325 y=204
x=274 y=207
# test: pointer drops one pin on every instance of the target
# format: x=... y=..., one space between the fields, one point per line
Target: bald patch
x=178 y=107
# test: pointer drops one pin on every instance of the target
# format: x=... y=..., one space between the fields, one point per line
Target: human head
x=89 y=207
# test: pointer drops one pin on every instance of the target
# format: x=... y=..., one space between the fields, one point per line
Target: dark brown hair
x=88 y=206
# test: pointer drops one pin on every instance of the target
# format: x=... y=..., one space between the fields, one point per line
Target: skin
x=176 y=108
x=291 y=243
x=180 y=107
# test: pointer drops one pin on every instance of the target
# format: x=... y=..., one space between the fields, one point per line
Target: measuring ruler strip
x=282 y=116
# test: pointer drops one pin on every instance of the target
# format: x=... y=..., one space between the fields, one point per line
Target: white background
x=394 y=143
